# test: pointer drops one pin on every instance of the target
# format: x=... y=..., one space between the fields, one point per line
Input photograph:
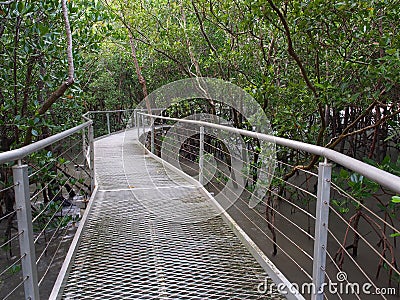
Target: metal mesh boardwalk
x=152 y=234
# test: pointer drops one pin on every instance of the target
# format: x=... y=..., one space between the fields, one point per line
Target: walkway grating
x=152 y=234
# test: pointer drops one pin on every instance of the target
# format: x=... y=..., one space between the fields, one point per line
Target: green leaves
x=34 y=66
x=341 y=205
x=34 y=133
x=396 y=199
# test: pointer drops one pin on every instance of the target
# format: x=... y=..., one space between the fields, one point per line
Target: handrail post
x=162 y=129
x=201 y=156
x=144 y=127
x=91 y=157
x=84 y=142
x=138 y=125
x=108 y=123
x=25 y=228
x=152 y=120
x=321 y=230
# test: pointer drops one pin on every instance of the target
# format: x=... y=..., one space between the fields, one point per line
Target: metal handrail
x=106 y=111
x=22 y=196
x=20 y=153
x=323 y=191
x=384 y=178
x=23 y=200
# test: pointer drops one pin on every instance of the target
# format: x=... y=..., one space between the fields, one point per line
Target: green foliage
x=387 y=165
x=52 y=218
x=15 y=269
x=111 y=84
x=393 y=275
x=396 y=201
x=349 y=51
x=33 y=62
x=342 y=206
x=362 y=189
x=220 y=177
x=357 y=186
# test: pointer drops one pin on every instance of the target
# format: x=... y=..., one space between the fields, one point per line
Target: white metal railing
x=313 y=256
x=112 y=121
x=75 y=151
x=329 y=243
x=35 y=245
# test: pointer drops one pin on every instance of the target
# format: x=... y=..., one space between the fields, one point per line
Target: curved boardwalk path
x=151 y=233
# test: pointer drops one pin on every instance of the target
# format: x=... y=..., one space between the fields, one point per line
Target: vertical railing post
x=138 y=125
x=84 y=141
x=135 y=118
x=201 y=156
x=162 y=128
x=25 y=228
x=91 y=157
x=321 y=229
x=144 y=128
x=108 y=123
x=152 y=120
x=245 y=160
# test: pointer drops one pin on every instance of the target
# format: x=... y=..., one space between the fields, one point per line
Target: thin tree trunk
x=142 y=80
x=195 y=62
x=15 y=71
x=65 y=85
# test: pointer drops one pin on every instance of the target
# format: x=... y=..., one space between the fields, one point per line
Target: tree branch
x=141 y=79
x=179 y=63
x=290 y=49
x=66 y=84
x=303 y=72
x=7 y=2
x=336 y=141
x=372 y=126
x=308 y=82
x=70 y=58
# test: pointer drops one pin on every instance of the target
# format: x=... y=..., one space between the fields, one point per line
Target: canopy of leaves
x=33 y=63
x=324 y=72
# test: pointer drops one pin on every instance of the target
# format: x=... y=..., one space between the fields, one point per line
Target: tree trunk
x=65 y=85
x=142 y=80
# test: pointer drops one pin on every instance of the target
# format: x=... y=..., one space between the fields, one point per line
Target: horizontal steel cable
x=351 y=258
x=365 y=241
x=269 y=238
x=8 y=188
x=382 y=177
x=11 y=239
x=12 y=265
x=8 y=214
x=55 y=158
x=16 y=288
x=49 y=203
x=53 y=236
x=347 y=195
